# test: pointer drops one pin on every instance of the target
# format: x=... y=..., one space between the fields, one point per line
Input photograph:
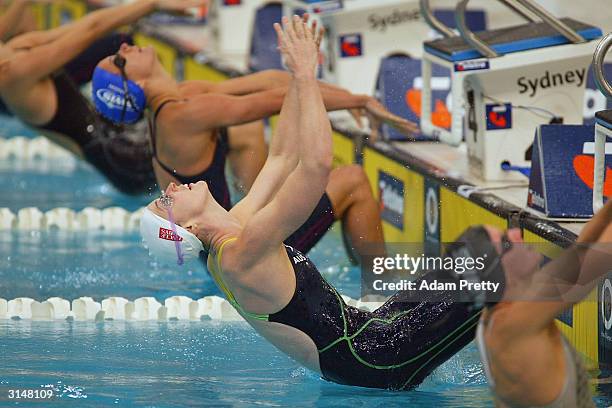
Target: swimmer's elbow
x=317 y=166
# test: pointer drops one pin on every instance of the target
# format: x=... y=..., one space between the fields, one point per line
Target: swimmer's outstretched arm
x=283 y=157
x=301 y=191
x=567 y=279
x=48 y=57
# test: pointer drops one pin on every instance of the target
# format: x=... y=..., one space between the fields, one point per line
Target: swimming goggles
x=119 y=61
x=166 y=201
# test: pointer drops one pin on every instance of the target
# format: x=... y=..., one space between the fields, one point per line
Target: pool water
x=161 y=364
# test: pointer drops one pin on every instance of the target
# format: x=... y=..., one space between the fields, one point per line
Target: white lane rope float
x=142 y=309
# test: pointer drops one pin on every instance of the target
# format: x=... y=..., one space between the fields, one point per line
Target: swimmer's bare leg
x=248 y=152
x=353 y=203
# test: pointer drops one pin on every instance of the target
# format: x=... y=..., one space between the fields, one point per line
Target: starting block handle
x=552 y=21
x=468 y=35
x=600 y=164
x=433 y=22
x=598 y=62
x=455 y=136
x=528 y=5
x=520 y=10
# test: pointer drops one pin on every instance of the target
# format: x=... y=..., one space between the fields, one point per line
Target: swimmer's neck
x=160 y=88
x=215 y=225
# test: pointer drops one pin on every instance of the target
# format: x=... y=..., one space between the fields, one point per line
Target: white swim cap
x=160 y=240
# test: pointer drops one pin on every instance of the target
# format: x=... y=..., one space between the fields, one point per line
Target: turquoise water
x=167 y=364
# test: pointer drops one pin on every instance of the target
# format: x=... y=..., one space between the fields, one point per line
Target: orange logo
x=440 y=116
x=584 y=168
x=497 y=120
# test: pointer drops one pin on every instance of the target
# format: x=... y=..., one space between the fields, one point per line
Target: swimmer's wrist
x=304 y=76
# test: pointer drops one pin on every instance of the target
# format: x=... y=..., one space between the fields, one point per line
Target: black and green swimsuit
x=394 y=347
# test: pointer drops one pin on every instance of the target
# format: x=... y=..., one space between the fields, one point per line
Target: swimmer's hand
x=298 y=46
x=377 y=114
x=180 y=5
x=316 y=34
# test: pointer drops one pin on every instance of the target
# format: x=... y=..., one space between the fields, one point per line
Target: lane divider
x=141 y=309
x=37 y=152
x=32 y=218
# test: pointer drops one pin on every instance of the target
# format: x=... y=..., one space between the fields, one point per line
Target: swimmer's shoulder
x=237 y=256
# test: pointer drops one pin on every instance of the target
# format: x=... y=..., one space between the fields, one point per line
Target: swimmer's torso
x=34 y=102
x=286 y=299
x=179 y=146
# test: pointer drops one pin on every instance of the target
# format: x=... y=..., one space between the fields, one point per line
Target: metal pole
x=520 y=10
x=433 y=21
x=468 y=35
x=598 y=62
x=552 y=21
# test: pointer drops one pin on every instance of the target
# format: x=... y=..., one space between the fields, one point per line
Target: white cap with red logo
x=161 y=241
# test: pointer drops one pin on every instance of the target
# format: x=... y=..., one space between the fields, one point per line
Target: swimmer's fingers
x=280 y=36
x=289 y=34
x=357 y=114
x=298 y=28
x=319 y=37
x=374 y=126
x=377 y=110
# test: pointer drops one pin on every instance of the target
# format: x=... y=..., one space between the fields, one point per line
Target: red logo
x=350 y=45
x=498 y=120
x=440 y=116
x=168 y=235
x=584 y=167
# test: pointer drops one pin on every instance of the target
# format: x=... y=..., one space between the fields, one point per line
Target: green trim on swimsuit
x=216 y=274
x=461 y=330
x=471 y=322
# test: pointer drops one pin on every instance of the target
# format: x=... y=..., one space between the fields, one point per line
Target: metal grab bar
x=518 y=9
x=598 y=61
x=472 y=39
x=433 y=22
x=552 y=21
x=468 y=35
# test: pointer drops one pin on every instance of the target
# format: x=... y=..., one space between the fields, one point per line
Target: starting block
x=231 y=23
x=509 y=81
x=360 y=35
x=399 y=82
x=399 y=87
x=603 y=129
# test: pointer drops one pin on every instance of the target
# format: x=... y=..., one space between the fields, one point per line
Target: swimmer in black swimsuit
x=35 y=89
x=276 y=288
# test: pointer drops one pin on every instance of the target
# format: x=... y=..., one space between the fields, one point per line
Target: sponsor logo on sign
x=551 y=80
x=391 y=193
x=473 y=65
x=535 y=199
x=584 y=165
x=350 y=46
x=381 y=23
x=169 y=235
x=499 y=116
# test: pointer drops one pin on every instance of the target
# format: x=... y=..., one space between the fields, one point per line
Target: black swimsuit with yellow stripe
x=394 y=347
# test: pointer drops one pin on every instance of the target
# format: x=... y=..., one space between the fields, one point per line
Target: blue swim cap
x=110 y=99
